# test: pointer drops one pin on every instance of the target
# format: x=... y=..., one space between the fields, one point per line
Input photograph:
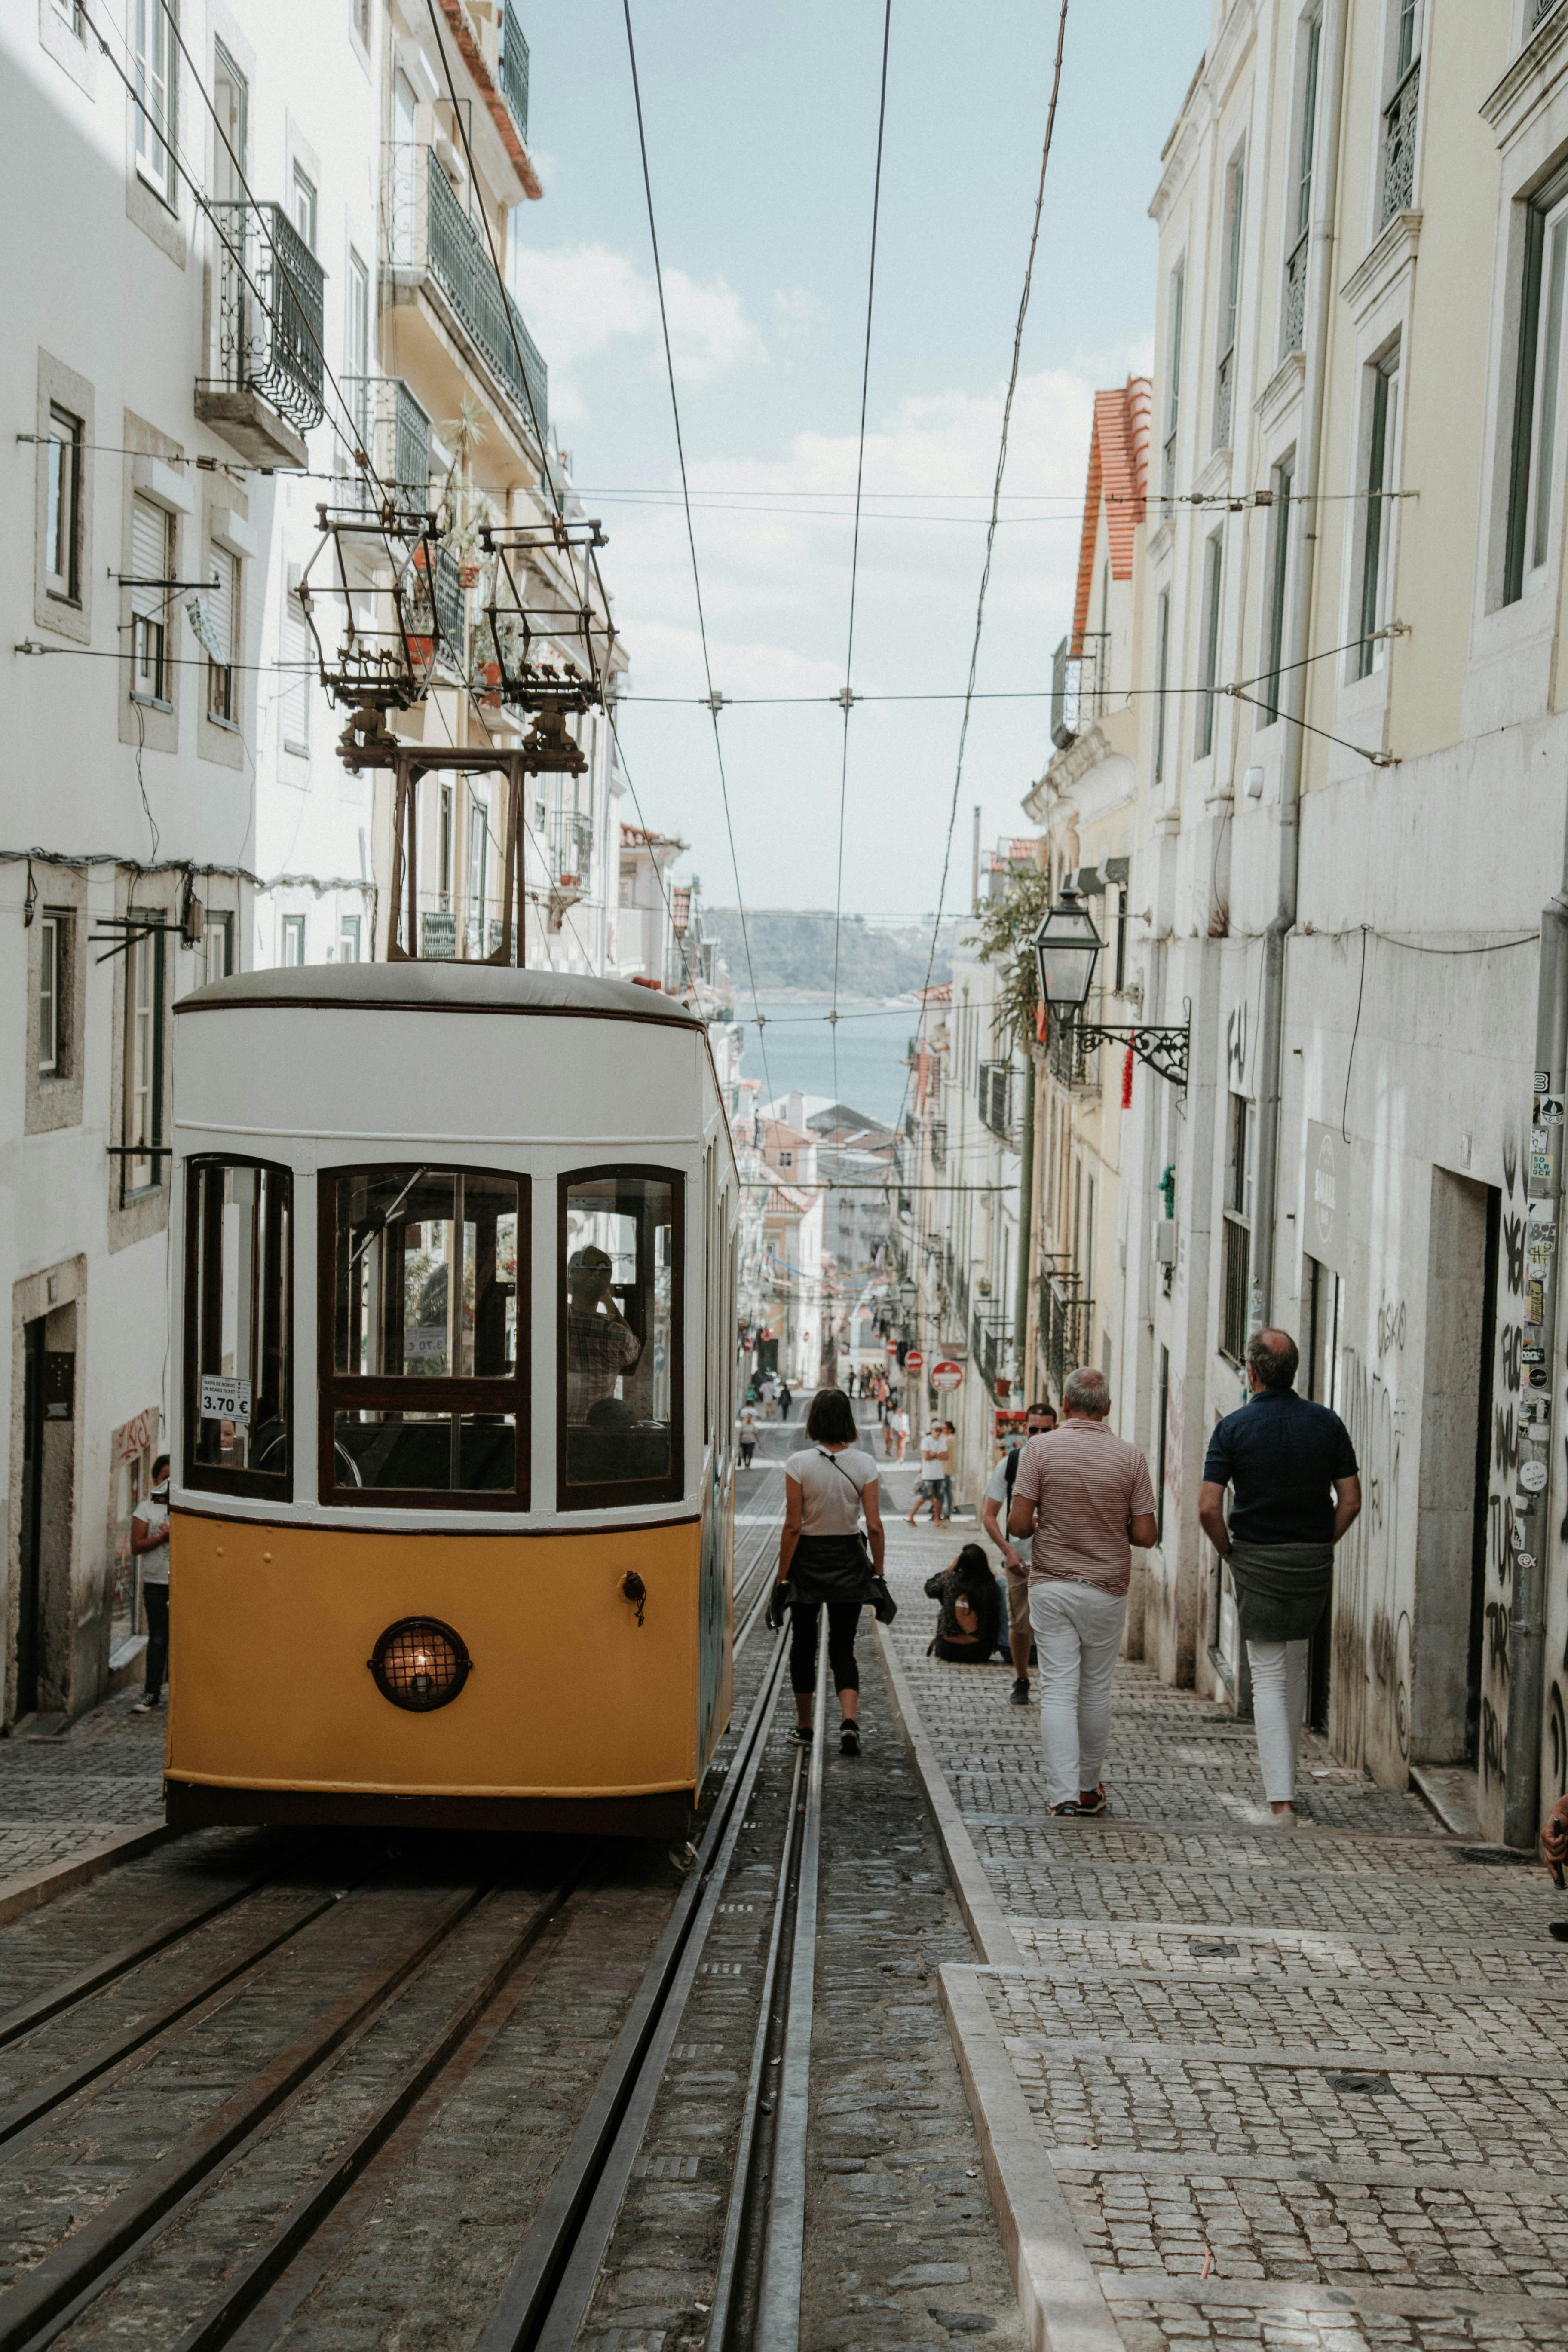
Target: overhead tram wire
x=691 y=543
x=990 y=535
x=848 y=698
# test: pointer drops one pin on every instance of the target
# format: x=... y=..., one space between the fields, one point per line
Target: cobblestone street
x=68 y=1798
x=1285 y=2085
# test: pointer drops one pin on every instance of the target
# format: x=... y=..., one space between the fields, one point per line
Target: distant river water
x=873 y=1042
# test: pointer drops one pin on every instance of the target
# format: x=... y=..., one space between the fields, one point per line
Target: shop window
x=620 y=1275
x=239 y=1296
x=422 y=1378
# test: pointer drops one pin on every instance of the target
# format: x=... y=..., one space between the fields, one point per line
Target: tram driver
x=601 y=1346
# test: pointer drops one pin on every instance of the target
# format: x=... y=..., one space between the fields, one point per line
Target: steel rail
x=99 y=1973
x=305 y=2217
x=52 y=2295
x=53 y=2092
x=544 y=2280
x=778 y=2315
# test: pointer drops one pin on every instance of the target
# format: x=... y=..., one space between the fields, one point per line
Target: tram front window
x=618 y=1293
x=236 y=1325
x=423 y=1384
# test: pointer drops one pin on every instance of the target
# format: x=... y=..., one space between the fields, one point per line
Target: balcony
x=395 y=434
x=571 y=844
x=1223 y=399
x=1295 y=334
x=1079 y=679
x=992 y=1336
x=515 y=71
x=1399 y=145
x=265 y=392
x=433 y=245
x=1071 y=1062
x=1067 y=1327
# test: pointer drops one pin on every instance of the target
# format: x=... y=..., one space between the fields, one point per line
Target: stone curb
x=981 y=1912
x=1059 y=2293
x=20 y=1896
x=1059 y=2296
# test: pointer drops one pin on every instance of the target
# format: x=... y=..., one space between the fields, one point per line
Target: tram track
x=553 y=2276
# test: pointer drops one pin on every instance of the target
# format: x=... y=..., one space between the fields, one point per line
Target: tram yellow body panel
x=272 y=1628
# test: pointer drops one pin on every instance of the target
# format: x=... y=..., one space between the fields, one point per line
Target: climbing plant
x=1005 y=926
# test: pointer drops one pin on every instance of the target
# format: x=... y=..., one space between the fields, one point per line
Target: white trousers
x=1278 y=1711
x=1078 y=1633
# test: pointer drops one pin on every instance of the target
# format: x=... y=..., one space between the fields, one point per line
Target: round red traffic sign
x=946 y=1375
x=914 y=1359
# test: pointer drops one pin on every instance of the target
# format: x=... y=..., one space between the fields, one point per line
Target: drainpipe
x=1026 y=1225
x=1533 y=1505
x=1309 y=460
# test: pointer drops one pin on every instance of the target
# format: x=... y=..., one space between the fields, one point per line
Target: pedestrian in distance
x=949 y=1449
x=1295 y=1489
x=746 y=1430
x=929 y=1483
x=969 y=1614
x=889 y=1436
x=149 y=1545
x=996 y=1504
x=829 y=1488
x=1083 y=1497
x=785 y=1401
x=901 y=1430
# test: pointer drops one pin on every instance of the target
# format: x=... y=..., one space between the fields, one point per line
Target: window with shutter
x=151 y=567
x=222 y=603
x=295 y=696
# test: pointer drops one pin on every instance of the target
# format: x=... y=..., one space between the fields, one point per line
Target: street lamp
x=1066 y=948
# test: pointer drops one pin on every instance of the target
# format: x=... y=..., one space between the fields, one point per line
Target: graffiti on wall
x=1513 y=1378
x=1371 y=1680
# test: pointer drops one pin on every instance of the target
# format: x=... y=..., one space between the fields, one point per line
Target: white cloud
x=799 y=315
x=579 y=299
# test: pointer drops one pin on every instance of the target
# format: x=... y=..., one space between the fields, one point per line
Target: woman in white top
x=823 y=1558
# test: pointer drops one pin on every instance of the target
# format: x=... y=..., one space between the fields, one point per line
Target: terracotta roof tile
x=1118 y=479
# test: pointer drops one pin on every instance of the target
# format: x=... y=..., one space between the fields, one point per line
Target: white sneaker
x=147 y=1706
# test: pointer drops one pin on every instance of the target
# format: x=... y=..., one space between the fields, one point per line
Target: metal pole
x=1302 y=511
x=974 y=861
x=1533 y=1506
x=1026 y=1224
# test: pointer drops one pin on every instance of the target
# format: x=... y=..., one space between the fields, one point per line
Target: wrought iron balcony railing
x=995 y=1099
x=266 y=310
x=1081 y=670
x=1399 y=145
x=1223 y=399
x=992 y=1336
x=429 y=233
x=571 y=852
x=1295 y=335
x=514 y=67
x=1067 y=1324
x=395 y=434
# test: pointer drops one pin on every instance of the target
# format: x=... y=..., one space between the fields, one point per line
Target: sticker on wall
x=1534 y=1354
x=1550 y=1112
x=1532 y=1476
x=1540 y=1162
x=1535 y=1303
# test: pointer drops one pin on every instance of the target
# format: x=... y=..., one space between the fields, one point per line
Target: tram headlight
x=419 y=1663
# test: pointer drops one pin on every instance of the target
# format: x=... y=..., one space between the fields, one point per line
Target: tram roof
x=420 y=987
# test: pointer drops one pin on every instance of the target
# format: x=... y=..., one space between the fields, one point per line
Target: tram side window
x=237 y=1298
x=422 y=1390
x=620 y=1293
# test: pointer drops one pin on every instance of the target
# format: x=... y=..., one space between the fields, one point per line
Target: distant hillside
x=792 y=949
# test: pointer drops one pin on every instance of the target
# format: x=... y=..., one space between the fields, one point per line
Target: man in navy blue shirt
x=1292 y=1472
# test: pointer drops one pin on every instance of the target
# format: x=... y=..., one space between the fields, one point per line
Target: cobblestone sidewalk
x=1298 y=2088
x=62 y=1795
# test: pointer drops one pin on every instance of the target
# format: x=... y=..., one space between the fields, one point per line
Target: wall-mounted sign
x=946 y=1376
x=221 y=1397
x=914 y=1359
x=1325 y=1221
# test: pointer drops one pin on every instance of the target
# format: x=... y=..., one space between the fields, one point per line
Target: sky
x=762 y=124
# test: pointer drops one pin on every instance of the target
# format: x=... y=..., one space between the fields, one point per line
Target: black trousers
x=843 y=1619
x=155 y=1602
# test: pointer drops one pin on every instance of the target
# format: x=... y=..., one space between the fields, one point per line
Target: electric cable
x=996 y=497
x=849 y=699
x=713 y=698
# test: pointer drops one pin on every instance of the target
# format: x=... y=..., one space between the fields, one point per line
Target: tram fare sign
x=224 y=1398
x=946 y=1376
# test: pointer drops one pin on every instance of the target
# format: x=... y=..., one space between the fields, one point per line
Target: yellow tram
x=452 y=1500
